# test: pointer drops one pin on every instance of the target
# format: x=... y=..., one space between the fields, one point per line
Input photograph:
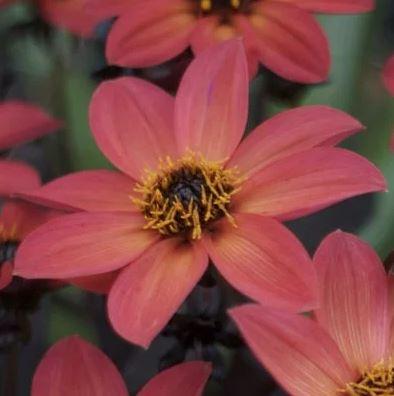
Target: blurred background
x=52 y=67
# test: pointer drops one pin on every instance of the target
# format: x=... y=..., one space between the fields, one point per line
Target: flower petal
x=83 y=244
x=21 y=218
x=132 y=122
x=150 y=290
x=295 y=51
x=253 y=259
x=212 y=102
x=6 y=270
x=183 y=379
x=16 y=177
x=306 y=182
x=334 y=6
x=100 y=283
x=296 y=350
x=353 y=307
x=94 y=191
x=290 y=132
x=151 y=32
x=388 y=75
x=22 y=122
x=74 y=367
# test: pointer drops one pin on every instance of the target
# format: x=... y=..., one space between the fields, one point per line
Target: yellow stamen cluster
x=206 y=5
x=8 y=234
x=185 y=195
x=379 y=381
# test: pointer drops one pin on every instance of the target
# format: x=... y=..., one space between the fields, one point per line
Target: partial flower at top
x=283 y=35
x=67 y=14
x=74 y=367
x=348 y=349
x=190 y=190
x=388 y=75
x=20 y=123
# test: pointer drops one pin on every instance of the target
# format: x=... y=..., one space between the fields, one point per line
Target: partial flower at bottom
x=74 y=367
x=348 y=349
x=190 y=189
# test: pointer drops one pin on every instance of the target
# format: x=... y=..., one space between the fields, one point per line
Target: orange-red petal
x=83 y=244
x=308 y=181
x=290 y=132
x=288 y=41
x=186 y=379
x=150 y=290
x=296 y=351
x=22 y=122
x=150 y=32
x=132 y=122
x=74 y=367
x=353 y=298
x=334 y=6
x=212 y=102
x=92 y=190
x=16 y=177
x=264 y=261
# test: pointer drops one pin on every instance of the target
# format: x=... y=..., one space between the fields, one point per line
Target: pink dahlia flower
x=74 y=367
x=283 y=35
x=348 y=349
x=190 y=190
x=20 y=123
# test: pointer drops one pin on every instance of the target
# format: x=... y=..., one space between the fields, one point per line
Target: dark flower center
x=8 y=250
x=186 y=195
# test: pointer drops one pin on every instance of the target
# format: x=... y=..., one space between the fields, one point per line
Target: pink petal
x=334 y=6
x=353 y=288
x=391 y=313
x=107 y=9
x=74 y=367
x=21 y=218
x=183 y=379
x=151 y=32
x=100 y=283
x=288 y=40
x=306 y=182
x=22 y=122
x=150 y=290
x=132 y=122
x=16 y=177
x=71 y=15
x=93 y=190
x=294 y=349
x=83 y=244
x=290 y=132
x=252 y=259
x=388 y=75
x=212 y=102
x=6 y=270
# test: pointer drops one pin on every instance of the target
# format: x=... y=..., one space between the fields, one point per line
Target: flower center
x=208 y=6
x=186 y=195
x=379 y=381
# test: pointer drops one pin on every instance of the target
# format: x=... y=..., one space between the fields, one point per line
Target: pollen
x=206 y=5
x=379 y=381
x=8 y=243
x=186 y=195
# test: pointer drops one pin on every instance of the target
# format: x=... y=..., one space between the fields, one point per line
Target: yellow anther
x=185 y=195
x=206 y=5
x=235 y=3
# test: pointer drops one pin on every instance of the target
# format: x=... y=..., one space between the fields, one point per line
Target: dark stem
x=11 y=372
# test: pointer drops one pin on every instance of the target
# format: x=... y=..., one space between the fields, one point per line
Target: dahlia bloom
x=190 y=190
x=17 y=219
x=388 y=75
x=348 y=349
x=20 y=123
x=68 y=14
x=282 y=35
x=74 y=367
